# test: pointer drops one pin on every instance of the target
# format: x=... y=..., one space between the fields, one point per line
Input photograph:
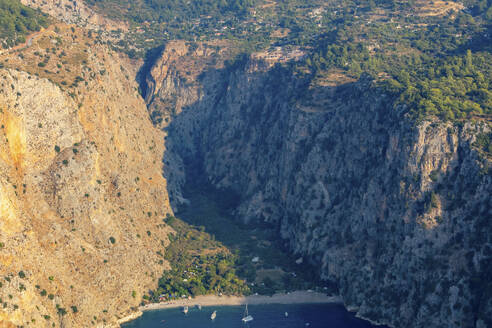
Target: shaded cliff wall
x=397 y=214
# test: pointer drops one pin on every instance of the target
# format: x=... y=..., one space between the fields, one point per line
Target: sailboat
x=246 y=316
x=214 y=314
x=185 y=309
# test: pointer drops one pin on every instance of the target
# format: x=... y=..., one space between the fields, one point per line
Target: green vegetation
x=431 y=65
x=453 y=87
x=200 y=265
x=171 y=12
x=432 y=58
x=154 y=21
x=61 y=311
x=249 y=23
x=17 y=21
x=211 y=253
x=211 y=211
x=484 y=142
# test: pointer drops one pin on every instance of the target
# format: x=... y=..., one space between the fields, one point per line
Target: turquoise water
x=265 y=316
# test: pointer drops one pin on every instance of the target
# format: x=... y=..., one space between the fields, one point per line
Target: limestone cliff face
x=397 y=214
x=82 y=195
x=172 y=85
x=173 y=82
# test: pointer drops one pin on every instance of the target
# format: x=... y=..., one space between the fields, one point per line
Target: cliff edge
x=82 y=195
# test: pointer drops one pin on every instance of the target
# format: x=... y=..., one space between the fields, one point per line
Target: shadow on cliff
x=362 y=122
x=149 y=61
x=187 y=139
x=216 y=209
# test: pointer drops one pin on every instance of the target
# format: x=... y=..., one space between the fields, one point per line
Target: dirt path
x=28 y=42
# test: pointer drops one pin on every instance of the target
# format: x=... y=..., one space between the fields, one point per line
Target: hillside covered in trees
x=433 y=64
x=17 y=21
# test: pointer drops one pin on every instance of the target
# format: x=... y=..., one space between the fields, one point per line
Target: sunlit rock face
x=82 y=196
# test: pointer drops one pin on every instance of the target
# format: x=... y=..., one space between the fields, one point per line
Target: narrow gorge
x=396 y=213
x=347 y=143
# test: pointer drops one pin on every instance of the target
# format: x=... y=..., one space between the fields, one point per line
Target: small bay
x=265 y=316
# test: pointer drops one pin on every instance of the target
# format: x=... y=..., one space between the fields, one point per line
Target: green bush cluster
x=200 y=265
x=17 y=21
x=484 y=142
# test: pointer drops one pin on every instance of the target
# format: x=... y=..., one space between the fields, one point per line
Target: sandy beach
x=210 y=300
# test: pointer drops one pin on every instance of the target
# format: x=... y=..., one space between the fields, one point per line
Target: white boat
x=185 y=309
x=246 y=316
x=199 y=306
x=286 y=314
x=214 y=314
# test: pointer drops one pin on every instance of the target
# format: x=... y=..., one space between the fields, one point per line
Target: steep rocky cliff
x=81 y=190
x=396 y=213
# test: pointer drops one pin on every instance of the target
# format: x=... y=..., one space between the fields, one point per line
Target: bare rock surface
x=82 y=195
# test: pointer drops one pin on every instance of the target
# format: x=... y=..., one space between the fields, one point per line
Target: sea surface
x=265 y=316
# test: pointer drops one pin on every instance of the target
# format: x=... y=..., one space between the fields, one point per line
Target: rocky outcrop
x=397 y=214
x=173 y=81
x=82 y=195
x=75 y=12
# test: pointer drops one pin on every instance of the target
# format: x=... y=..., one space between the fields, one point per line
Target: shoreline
x=132 y=316
x=297 y=297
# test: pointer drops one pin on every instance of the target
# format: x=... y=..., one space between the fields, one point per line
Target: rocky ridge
x=396 y=214
x=82 y=195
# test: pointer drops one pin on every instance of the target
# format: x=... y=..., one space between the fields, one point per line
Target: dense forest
x=17 y=21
